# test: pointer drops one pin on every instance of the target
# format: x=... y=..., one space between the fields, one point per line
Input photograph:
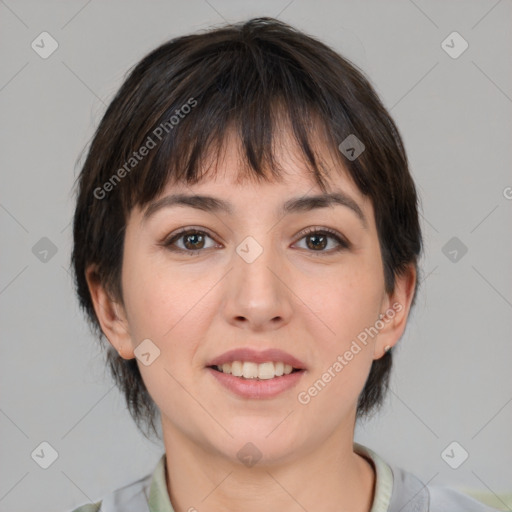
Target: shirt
x=396 y=490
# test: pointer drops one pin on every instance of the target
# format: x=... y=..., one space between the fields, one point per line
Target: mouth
x=250 y=370
x=255 y=374
x=256 y=381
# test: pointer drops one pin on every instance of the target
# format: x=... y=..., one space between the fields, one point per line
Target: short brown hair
x=244 y=77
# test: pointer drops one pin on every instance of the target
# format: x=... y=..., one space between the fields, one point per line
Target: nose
x=258 y=288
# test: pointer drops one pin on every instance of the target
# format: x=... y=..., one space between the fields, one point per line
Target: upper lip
x=257 y=356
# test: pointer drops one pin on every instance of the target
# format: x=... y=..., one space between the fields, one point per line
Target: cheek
x=344 y=349
x=346 y=301
x=173 y=309
x=156 y=297
x=170 y=312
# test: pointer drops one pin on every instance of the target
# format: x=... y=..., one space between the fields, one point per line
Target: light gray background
x=452 y=377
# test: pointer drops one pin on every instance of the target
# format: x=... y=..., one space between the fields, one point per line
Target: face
x=307 y=281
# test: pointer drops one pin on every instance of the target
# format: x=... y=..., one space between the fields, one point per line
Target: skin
x=310 y=302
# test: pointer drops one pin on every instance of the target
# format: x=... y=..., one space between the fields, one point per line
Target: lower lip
x=257 y=389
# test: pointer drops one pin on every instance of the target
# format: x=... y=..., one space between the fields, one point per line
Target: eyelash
x=343 y=243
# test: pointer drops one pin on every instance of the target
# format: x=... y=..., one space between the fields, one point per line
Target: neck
x=330 y=477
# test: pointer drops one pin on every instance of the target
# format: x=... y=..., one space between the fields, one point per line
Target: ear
x=395 y=311
x=111 y=315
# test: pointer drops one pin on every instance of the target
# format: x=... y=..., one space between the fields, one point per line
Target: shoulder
x=410 y=494
x=445 y=498
x=133 y=497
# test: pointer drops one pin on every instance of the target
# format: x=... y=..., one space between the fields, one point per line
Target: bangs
x=250 y=91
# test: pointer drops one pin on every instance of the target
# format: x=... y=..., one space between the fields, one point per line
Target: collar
x=383 y=478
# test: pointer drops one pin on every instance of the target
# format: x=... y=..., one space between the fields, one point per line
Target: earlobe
x=395 y=317
x=111 y=316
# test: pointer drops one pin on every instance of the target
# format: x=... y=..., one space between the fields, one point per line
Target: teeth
x=250 y=370
x=265 y=370
x=236 y=368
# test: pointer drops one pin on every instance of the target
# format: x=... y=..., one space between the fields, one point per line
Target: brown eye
x=317 y=240
x=188 y=241
x=193 y=241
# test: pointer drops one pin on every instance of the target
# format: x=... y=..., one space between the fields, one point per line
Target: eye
x=193 y=241
x=318 y=239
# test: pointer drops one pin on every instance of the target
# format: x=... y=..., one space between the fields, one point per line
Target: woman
x=246 y=236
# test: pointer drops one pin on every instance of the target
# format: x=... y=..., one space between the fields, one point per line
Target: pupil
x=315 y=244
x=188 y=237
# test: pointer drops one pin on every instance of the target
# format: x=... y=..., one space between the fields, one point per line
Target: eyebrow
x=295 y=205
